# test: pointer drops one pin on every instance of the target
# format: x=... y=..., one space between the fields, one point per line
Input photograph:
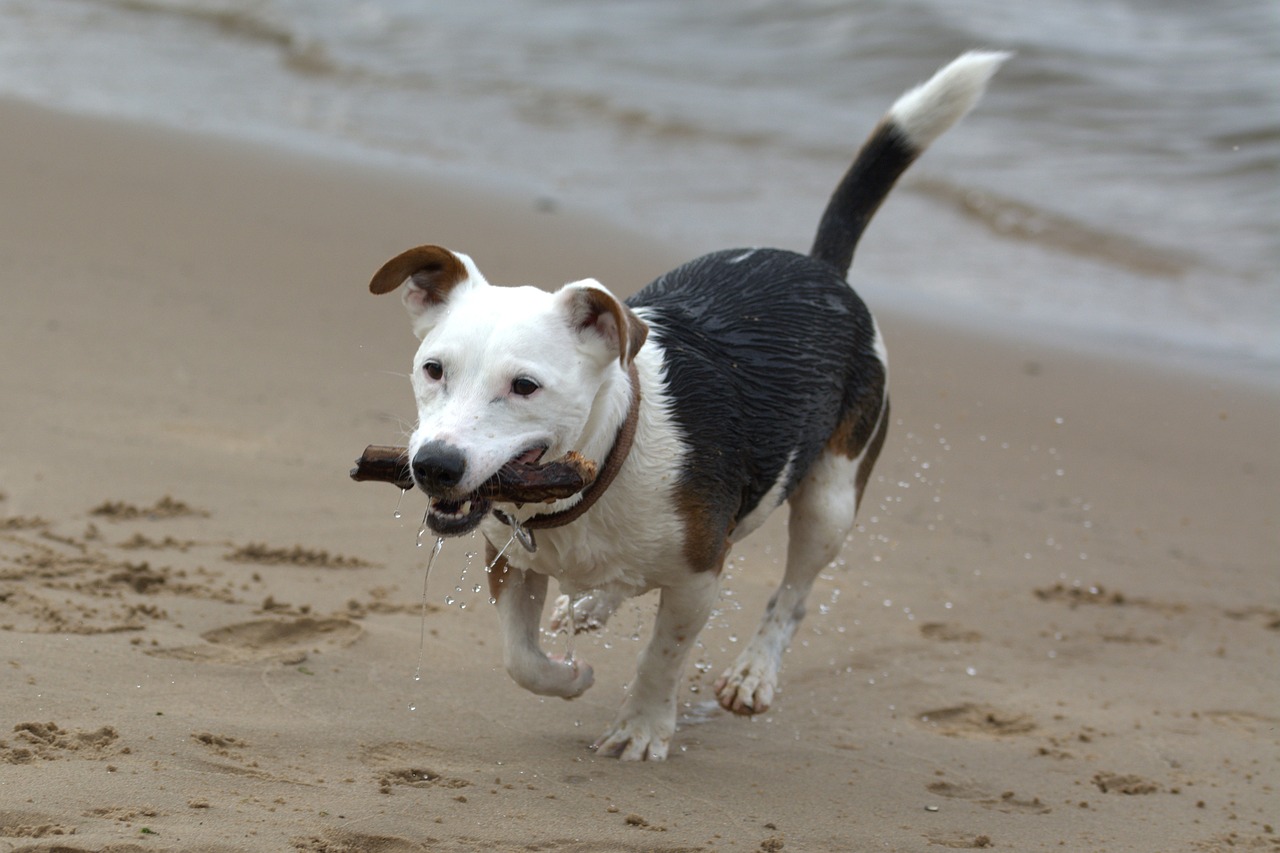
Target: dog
x=735 y=382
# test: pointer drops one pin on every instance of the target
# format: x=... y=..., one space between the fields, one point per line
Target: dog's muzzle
x=438 y=468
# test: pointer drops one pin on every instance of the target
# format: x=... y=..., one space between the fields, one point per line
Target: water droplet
x=396 y=512
x=422 y=628
x=413 y=707
x=498 y=556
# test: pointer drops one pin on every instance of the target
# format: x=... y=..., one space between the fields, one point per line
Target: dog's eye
x=434 y=370
x=523 y=386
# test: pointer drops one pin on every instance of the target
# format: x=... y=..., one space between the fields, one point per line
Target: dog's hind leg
x=822 y=514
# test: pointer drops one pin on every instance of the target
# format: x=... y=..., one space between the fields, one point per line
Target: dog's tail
x=914 y=121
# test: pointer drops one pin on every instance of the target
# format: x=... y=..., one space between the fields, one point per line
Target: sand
x=1056 y=628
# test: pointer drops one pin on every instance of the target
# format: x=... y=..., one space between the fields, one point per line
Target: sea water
x=1120 y=181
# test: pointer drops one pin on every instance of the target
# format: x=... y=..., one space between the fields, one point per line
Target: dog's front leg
x=520 y=595
x=644 y=726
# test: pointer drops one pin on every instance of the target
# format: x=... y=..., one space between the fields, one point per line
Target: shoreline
x=1056 y=626
x=1219 y=362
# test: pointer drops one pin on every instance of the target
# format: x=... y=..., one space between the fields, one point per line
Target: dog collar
x=612 y=465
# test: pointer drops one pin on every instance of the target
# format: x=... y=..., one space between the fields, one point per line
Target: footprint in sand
x=416 y=777
x=341 y=839
x=970 y=720
x=946 y=632
x=1124 y=783
x=35 y=741
x=1246 y=722
x=1007 y=802
x=960 y=841
x=15 y=824
x=286 y=641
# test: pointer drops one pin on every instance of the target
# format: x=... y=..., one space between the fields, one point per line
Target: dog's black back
x=770 y=356
x=767 y=352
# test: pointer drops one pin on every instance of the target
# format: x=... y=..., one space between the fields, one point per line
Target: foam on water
x=1117 y=183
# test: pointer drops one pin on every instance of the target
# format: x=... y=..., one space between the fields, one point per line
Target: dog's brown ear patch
x=595 y=309
x=432 y=270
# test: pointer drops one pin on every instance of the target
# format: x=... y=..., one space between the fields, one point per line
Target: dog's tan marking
x=856 y=428
x=873 y=452
x=434 y=270
x=706 y=542
x=498 y=571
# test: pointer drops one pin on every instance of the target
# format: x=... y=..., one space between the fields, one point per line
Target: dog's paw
x=590 y=612
x=747 y=687
x=572 y=677
x=638 y=737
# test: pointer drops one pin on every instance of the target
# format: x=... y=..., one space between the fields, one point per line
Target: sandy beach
x=1056 y=628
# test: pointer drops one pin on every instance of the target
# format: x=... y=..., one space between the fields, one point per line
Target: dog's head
x=502 y=373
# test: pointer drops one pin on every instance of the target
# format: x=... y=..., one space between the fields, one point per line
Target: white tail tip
x=924 y=113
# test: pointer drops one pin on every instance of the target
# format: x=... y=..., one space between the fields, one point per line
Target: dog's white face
x=502 y=373
x=502 y=376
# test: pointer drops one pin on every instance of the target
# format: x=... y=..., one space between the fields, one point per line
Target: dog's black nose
x=438 y=467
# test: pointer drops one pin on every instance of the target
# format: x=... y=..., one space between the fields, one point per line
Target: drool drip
x=422 y=532
x=422 y=630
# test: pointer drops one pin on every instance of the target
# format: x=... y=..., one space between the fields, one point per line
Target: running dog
x=740 y=380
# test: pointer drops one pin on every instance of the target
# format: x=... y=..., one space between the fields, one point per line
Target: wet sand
x=1056 y=628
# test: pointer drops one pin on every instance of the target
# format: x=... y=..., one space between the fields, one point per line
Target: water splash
x=573 y=630
x=422 y=629
x=498 y=556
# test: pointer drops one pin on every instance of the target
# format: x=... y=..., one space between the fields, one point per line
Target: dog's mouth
x=532 y=456
x=454 y=515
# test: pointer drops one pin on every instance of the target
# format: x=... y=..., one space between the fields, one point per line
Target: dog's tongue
x=531 y=456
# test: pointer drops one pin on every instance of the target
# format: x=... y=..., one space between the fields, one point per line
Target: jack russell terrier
x=735 y=382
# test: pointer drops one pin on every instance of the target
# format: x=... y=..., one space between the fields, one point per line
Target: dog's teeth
x=451 y=510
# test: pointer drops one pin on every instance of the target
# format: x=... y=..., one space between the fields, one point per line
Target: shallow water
x=1121 y=179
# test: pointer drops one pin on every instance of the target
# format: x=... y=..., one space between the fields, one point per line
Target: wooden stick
x=515 y=482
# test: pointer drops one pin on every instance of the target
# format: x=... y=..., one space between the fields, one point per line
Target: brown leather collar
x=612 y=465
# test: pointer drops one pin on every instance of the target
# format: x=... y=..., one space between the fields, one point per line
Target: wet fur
x=763 y=379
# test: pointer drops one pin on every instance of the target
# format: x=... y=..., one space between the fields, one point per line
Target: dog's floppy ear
x=601 y=318
x=432 y=273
